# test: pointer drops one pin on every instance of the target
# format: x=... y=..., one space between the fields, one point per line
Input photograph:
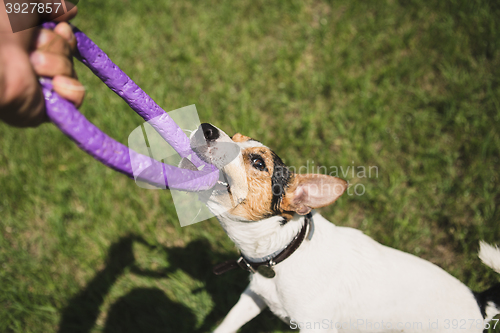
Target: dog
x=318 y=277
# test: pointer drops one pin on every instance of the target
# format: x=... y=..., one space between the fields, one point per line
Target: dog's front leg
x=249 y=306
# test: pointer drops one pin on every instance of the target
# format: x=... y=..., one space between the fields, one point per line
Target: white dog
x=316 y=276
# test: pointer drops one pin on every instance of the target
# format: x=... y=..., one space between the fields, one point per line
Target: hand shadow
x=197 y=260
x=149 y=309
x=80 y=314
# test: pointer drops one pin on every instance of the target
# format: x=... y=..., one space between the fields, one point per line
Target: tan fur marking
x=240 y=138
x=257 y=204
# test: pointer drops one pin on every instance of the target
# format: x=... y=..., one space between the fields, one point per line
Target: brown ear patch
x=312 y=191
x=240 y=138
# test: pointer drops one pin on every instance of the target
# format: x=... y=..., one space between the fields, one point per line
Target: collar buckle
x=245 y=264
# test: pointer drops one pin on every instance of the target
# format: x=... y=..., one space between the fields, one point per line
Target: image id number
x=32 y=7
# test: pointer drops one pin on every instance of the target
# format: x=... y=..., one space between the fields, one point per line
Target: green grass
x=411 y=87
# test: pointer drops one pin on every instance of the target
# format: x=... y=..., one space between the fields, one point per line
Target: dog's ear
x=312 y=191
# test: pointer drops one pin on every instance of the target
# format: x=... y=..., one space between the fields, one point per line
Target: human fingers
x=52 y=42
x=51 y=64
x=64 y=30
x=69 y=88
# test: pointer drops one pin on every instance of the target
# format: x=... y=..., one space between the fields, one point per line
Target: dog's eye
x=258 y=163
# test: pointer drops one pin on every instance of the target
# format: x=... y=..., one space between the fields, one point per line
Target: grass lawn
x=410 y=87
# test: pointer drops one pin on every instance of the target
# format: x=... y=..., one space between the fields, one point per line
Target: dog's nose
x=209 y=132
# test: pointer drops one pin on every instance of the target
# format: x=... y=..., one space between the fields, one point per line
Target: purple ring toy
x=112 y=153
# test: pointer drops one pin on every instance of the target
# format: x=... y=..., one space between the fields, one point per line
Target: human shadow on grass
x=149 y=309
x=197 y=260
x=82 y=310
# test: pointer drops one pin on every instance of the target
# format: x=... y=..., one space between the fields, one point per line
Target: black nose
x=209 y=132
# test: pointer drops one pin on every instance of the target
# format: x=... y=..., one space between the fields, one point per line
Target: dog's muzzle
x=215 y=147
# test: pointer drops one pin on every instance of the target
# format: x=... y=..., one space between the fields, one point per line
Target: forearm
x=21 y=99
x=21 y=103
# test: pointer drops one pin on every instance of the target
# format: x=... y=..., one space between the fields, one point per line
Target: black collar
x=266 y=267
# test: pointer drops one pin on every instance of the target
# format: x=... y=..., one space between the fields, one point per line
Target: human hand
x=53 y=57
x=31 y=53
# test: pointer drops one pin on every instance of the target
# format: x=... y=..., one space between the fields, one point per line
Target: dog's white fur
x=344 y=281
x=489 y=256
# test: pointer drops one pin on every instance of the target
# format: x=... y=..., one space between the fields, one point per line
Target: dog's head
x=255 y=183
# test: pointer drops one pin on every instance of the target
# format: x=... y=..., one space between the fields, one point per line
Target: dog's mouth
x=226 y=155
x=222 y=184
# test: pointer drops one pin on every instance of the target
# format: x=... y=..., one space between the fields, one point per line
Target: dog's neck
x=259 y=241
